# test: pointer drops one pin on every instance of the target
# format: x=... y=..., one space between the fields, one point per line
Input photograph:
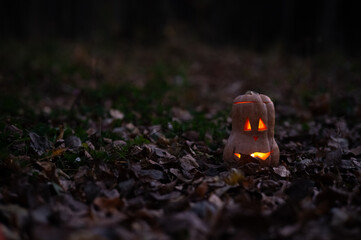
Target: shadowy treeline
x=300 y=25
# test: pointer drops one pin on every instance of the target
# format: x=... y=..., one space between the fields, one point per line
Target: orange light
x=244 y=102
x=247 y=126
x=249 y=102
x=261 y=125
x=238 y=155
x=260 y=155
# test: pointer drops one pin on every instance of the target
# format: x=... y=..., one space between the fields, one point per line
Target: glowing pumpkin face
x=252 y=136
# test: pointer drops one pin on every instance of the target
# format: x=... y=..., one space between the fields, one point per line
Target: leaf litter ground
x=142 y=159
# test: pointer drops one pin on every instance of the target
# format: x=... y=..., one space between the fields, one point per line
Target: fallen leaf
x=109 y=204
x=282 y=171
x=154 y=174
x=73 y=143
x=201 y=190
x=181 y=114
x=188 y=163
x=356 y=151
x=55 y=153
x=39 y=144
x=179 y=175
x=235 y=176
x=116 y=114
x=167 y=196
x=213 y=198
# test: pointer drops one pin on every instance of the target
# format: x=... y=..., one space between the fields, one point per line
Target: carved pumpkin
x=252 y=136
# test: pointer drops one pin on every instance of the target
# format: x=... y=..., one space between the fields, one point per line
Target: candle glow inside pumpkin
x=252 y=135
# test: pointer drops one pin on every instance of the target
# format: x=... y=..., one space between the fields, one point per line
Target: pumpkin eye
x=247 y=126
x=261 y=125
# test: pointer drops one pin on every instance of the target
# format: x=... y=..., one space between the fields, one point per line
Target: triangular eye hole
x=247 y=126
x=261 y=125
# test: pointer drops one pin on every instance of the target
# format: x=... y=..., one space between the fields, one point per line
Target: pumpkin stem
x=249 y=92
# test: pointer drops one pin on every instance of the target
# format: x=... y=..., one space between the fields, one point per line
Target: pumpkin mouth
x=260 y=155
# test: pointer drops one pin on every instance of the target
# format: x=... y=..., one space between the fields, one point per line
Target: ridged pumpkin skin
x=247 y=140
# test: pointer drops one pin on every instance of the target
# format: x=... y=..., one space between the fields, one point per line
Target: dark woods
x=301 y=26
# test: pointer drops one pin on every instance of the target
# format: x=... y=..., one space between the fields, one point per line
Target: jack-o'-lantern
x=252 y=136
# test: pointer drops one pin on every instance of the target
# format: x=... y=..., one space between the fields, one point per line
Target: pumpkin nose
x=255 y=138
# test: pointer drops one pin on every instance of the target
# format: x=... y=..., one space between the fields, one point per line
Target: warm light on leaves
x=238 y=155
x=54 y=153
x=261 y=125
x=247 y=126
x=235 y=176
x=260 y=155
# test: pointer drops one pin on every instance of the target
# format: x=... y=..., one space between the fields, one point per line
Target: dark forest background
x=304 y=27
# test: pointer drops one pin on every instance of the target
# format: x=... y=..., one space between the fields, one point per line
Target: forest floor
x=125 y=142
